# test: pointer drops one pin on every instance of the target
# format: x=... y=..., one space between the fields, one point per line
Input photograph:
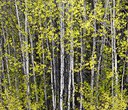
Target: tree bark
x=5 y=54
x=61 y=55
x=20 y=37
x=26 y=55
x=114 y=46
x=52 y=80
x=44 y=77
x=93 y=51
x=33 y=66
x=54 y=71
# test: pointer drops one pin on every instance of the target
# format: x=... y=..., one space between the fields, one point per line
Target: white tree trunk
x=81 y=74
x=52 y=80
x=112 y=52
x=72 y=69
x=54 y=72
x=114 y=45
x=26 y=55
x=61 y=55
x=20 y=38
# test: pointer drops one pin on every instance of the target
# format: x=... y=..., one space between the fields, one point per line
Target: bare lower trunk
x=52 y=80
x=69 y=90
x=72 y=71
x=54 y=72
x=122 y=81
x=81 y=75
x=71 y=76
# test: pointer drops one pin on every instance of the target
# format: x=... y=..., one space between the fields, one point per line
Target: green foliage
x=105 y=100
x=89 y=39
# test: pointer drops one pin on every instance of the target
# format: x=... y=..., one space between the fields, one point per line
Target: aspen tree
x=33 y=66
x=114 y=45
x=6 y=53
x=1 y=69
x=101 y=48
x=53 y=73
x=112 y=53
x=26 y=55
x=54 y=70
x=82 y=56
x=52 y=80
x=61 y=54
x=15 y=57
x=71 y=71
x=58 y=55
x=44 y=76
x=94 y=47
x=20 y=37
x=42 y=61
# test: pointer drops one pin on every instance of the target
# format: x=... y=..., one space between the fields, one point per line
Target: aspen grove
x=63 y=54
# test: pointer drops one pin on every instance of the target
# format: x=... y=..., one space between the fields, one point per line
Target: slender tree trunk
x=101 y=50
x=44 y=77
x=16 y=76
x=69 y=90
x=26 y=55
x=82 y=59
x=122 y=81
x=61 y=55
x=70 y=71
x=54 y=71
x=93 y=51
x=42 y=60
x=52 y=80
x=2 y=64
x=7 y=50
x=112 y=53
x=125 y=68
x=20 y=37
x=71 y=79
x=33 y=66
x=6 y=58
x=72 y=68
x=1 y=57
x=99 y=68
x=114 y=47
x=81 y=75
